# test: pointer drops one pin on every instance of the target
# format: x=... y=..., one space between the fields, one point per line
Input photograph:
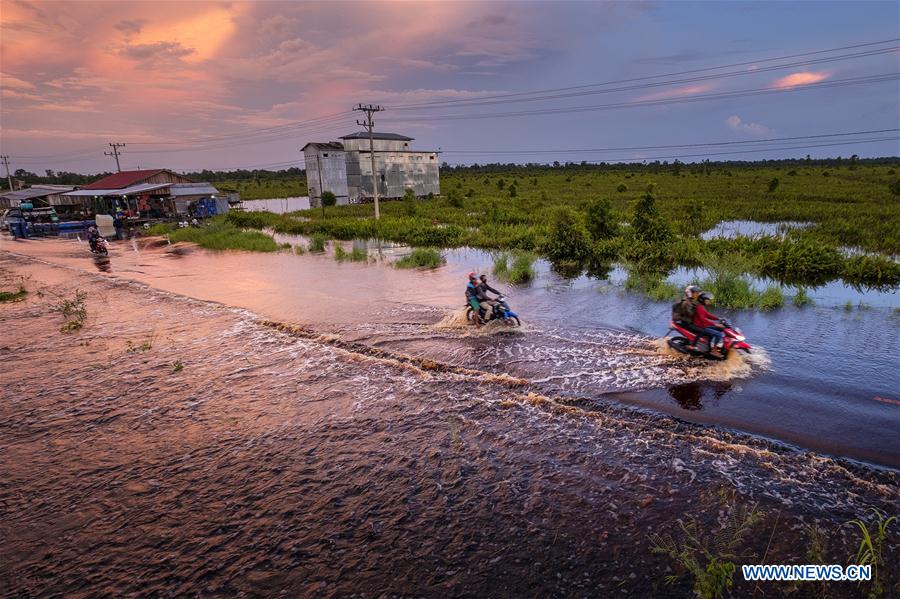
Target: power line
x=732 y=152
x=695 y=98
x=115 y=152
x=647 y=77
x=538 y=98
x=674 y=146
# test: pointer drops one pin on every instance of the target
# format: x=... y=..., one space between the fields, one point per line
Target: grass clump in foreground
x=421 y=258
x=354 y=255
x=317 y=243
x=14 y=296
x=521 y=270
x=73 y=310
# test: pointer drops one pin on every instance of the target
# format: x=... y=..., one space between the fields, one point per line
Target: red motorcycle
x=734 y=341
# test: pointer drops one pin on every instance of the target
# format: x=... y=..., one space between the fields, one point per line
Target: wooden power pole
x=5 y=160
x=115 y=152
x=369 y=124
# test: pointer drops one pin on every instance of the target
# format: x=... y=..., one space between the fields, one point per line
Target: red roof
x=123 y=179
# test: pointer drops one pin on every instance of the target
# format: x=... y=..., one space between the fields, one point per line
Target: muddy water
x=177 y=447
x=822 y=378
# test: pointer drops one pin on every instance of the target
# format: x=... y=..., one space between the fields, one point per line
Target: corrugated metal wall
x=326 y=170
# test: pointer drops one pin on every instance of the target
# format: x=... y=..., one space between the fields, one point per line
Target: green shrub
x=520 y=271
x=622 y=188
x=872 y=272
x=160 y=229
x=652 y=285
x=771 y=299
x=647 y=225
x=569 y=239
x=317 y=243
x=801 y=298
x=601 y=222
x=773 y=184
x=802 y=261
x=421 y=258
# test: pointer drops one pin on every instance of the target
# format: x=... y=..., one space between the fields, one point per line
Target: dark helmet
x=483 y=278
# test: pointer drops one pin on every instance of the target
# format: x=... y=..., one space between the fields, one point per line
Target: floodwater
x=822 y=378
x=729 y=229
x=233 y=424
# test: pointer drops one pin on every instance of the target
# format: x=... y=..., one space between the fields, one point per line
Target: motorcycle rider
x=684 y=312
x=709 y=322
x=93 y=237
x=487 y=303
x=472 y=297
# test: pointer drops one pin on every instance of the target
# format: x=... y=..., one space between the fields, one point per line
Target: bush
x=771 y=299
x=513 y=191
x=894 y=187
x=354 y=255
x=317 y=243
x=569 y=239
x=872 y=272
x=801 y=298
x=601 y=223
x=622 y=188
x=773 y=184
x=647 y=225
x=421 y=258
x=521 y=270
x=653 y=286
x=802 y=261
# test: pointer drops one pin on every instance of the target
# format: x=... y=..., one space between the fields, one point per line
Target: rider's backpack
x=683 y=311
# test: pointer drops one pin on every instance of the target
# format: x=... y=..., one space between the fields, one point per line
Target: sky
x=223 y=85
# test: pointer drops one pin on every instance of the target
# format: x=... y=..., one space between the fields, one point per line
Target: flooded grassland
x=172 y=446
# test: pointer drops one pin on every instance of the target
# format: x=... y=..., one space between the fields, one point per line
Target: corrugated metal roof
x=388 y=136
x=140 y=188
x=328 y=145
x=192 y=189
x=31 y=192
x=123 y=179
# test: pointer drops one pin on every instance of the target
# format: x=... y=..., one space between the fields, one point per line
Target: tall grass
x=421 y=258
x=516 y=268
x=218 y=235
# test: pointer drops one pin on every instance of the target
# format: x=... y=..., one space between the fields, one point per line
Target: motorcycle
x=99 y=246
x=501 y=311
x=734 y=341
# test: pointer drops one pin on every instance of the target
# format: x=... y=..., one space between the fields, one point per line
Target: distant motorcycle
x=501 y=311
x=99 y=246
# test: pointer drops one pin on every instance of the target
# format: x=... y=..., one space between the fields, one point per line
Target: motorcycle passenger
x=487 y=303
x=472 y=296
x=683 y=314
x=709 y=322
x=93 y=237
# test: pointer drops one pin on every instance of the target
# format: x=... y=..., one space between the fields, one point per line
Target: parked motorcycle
x=501 y=311
x=734 y=341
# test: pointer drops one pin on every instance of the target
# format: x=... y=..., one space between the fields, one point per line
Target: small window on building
x=325 y=154
x=432 y=157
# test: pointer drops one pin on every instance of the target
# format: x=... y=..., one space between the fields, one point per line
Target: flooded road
x=822 y=378
x=316 y=438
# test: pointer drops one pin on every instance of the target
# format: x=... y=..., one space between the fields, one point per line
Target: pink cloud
x=678 y=92
x=801 y=78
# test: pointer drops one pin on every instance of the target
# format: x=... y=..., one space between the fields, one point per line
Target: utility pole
x=115 y=152
x=369 y=124
x=5 y=160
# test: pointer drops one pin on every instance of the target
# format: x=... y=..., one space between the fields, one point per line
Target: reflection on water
x=690 y=395
x=729 y=229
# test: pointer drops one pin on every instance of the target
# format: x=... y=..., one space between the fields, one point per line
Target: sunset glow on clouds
x=76 y=75
x=795 y=79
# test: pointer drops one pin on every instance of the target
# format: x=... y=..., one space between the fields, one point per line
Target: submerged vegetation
x=73 y=310
x=516 y=268
x=219 y=234
x=421 y=258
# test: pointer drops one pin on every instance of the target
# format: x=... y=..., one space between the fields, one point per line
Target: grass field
x=584 y=218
